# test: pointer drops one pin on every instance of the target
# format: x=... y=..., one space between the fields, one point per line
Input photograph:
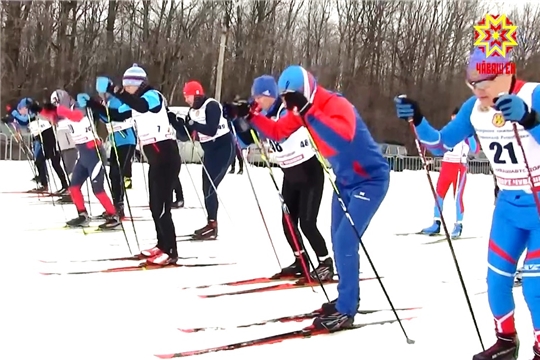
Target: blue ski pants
x=515 y=228
x=362 y=202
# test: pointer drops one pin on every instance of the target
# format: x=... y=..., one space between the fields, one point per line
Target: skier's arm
x=473 y=145
x=22 y=120
x=459 y=129
x=534 y=120
x=277 y=130
x=73 y=115
x=337 y=124
x=213 y=116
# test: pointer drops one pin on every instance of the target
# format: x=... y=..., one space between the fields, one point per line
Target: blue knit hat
x=24 y=103
x=134 y=76
x=265 y=86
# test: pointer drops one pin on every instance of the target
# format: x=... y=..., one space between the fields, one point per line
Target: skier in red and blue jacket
x=362 y=175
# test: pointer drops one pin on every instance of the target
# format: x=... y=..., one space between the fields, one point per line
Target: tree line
x=368 y=50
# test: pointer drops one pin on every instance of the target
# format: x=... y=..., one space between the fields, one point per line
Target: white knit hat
x=134 y=76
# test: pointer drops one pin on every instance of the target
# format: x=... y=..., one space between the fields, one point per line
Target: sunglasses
x=480 y=84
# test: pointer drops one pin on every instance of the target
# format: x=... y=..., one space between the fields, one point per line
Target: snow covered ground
x=135 y=315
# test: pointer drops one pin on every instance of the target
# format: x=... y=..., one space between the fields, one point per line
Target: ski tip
x=189 y=331
x=165 y=356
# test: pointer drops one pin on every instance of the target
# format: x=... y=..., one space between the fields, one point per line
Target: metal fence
x=192 y=154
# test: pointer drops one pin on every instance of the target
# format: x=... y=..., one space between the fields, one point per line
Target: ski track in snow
x=136 y=315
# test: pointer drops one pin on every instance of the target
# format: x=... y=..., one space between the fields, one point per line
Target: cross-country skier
x=148 y=109
x=303 y=182
x=206 y=118
x=500 y=102
x=178 y=192
x=89 y=164
x=14 y=120
x=123 y=141
x=67 y=147
x=453 y=172
x=230 y=113
x=45 y=145
x=362 y=175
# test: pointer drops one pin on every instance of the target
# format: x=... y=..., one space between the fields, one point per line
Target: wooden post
x=221 y=62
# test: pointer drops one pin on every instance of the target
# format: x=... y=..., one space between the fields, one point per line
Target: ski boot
x=39 y=190
x=127 y=183
x=232 y=170
x=65 y=199
x=111 y=222
x=506 y=348
x=81 y=221
x=324 y=272
x=162 y=258
x=208 y=232
x=458 y=229
x=178 y=204
x=434 y=229
x=150 y=252
x=240 y=172
x=60 y=192
x=332 y=322
x=120 y=212
x=295 y=270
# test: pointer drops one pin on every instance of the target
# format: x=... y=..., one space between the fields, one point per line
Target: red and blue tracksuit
x=362 y=177
x=515 y=225
x=453 y=173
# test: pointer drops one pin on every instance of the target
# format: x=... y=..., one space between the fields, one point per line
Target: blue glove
x=102 y=84
x=82 y=99
x=408 y=109
x=512 y=107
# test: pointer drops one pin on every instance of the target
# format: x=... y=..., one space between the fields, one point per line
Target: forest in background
x=368 y=50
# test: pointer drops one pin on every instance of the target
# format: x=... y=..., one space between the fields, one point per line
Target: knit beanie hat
x=265 y=86
x=134 y=76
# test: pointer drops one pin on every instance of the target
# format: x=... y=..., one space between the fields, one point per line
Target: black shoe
x=232 y=170
x=208 y=232
x=240 y=172
x=65 y=199
x=295 y=270
x=333 y=322
x=80 y=221
x=324 y=272
x=111 y=222
x=506 y=348
x=177 y=204
x=60 y=192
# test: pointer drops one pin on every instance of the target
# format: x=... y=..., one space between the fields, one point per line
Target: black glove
x=242 y=108
x=8 y=119
x=49 y=106
x=34 y=108
x=296 y=100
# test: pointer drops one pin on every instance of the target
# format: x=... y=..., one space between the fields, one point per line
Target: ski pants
x=238 y=153
x=119 y=159
x=303 y=200
x=89 y=165
x=178 y=190
x=362 y=201
x=46 y=150
x=218 y=156
x=515 y=228
x=69 y=158
x=161 y=179
x=454 y=174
